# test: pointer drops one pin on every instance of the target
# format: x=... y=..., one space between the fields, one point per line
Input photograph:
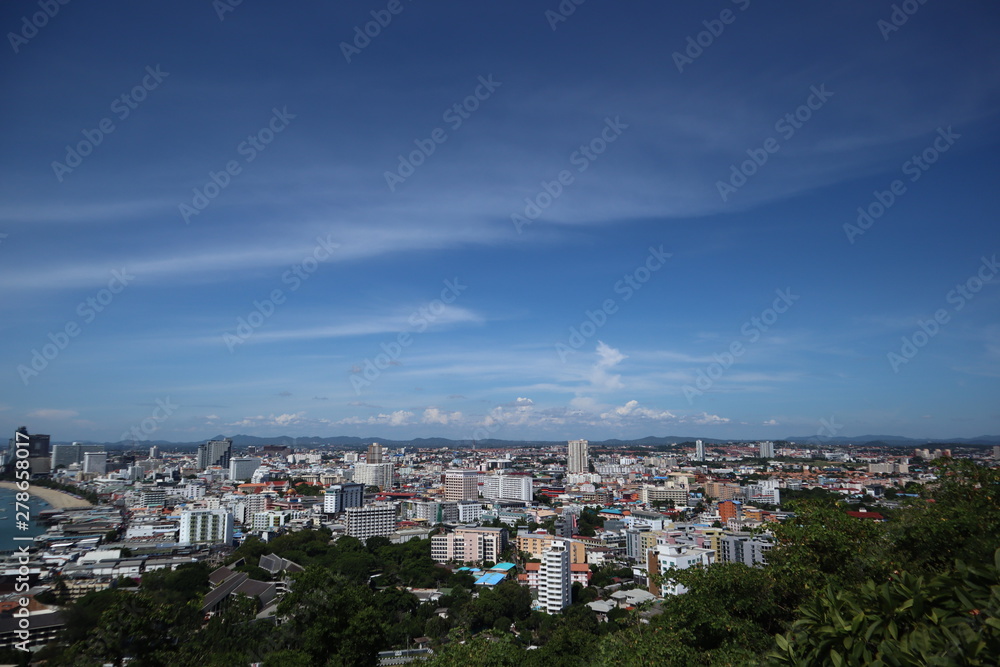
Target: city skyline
x=731 y=221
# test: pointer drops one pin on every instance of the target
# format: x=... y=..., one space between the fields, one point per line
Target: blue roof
x=491 y=579
x=503 y=567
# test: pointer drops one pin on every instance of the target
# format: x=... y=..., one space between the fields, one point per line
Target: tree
x=909 y=621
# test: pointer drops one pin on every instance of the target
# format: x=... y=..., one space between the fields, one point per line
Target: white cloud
x=633 y=410
x=608 y=358
x=705 y=418
x=771 y=422
x=397 y=418
x=282 y=420
x=437 y=416
x=48 y=413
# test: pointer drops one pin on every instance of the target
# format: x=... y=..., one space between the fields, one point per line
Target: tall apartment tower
x=767 y=450
x=242 y=468
x=461 y=485
x=699 y=450
x=371 y=520
x=554 y=585
x=374 y=474
x=374 y=453
x=215 y=453
x=341 y=496
x=95 y=462
x=206 y=527
x=577 y=459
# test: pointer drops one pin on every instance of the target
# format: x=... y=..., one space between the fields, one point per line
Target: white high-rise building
x=554 y=582
x=95 y=462
x=341 y=496
x=508 y=487
x=667 y=557
x=699 y=450
x=767 y=450
x=373 y=474
x=242 y=468
x=577 y=459
x=206 y=527
x=461 y=485
x=371 y=520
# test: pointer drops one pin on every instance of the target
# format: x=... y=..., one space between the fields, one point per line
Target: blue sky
x=221 y=250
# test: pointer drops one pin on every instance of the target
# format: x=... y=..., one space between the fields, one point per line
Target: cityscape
x=532 y=334
x=601 y=530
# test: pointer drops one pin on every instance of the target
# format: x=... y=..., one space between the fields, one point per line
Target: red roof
x=867 y=515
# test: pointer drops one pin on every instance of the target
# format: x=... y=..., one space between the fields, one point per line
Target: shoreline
x=56 y=499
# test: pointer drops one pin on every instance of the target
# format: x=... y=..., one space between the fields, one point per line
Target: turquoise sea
x=8 y=526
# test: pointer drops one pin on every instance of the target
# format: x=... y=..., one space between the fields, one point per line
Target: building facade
x=206 y=527
x=341 y=496
x=577 y=459
x=508 y=487
x=461 y=485
x=469 y=545
x=242 y=468
x=555 y=586
x=371 y=520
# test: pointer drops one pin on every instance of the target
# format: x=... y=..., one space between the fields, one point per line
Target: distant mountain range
x=351 y=442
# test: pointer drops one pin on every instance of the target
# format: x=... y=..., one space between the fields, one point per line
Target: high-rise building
x=554 y=584
x=371 y=520
x=66 y=455
x=95 y=463
x=374 y=474
x=744 y=548
x=206 y=527
x=215 y=453
x=461 y=485
x=242 y=468
x=508 y=487
x=374 y=453
x=154 y=452
x=767 y=450
x=699 y=450
x=577 y=459
x=663 y=558
x=730 y=509
x=469 y=545
x=37 y=447
x=341 y=496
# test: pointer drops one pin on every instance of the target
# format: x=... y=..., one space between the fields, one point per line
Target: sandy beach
x=57 y=499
